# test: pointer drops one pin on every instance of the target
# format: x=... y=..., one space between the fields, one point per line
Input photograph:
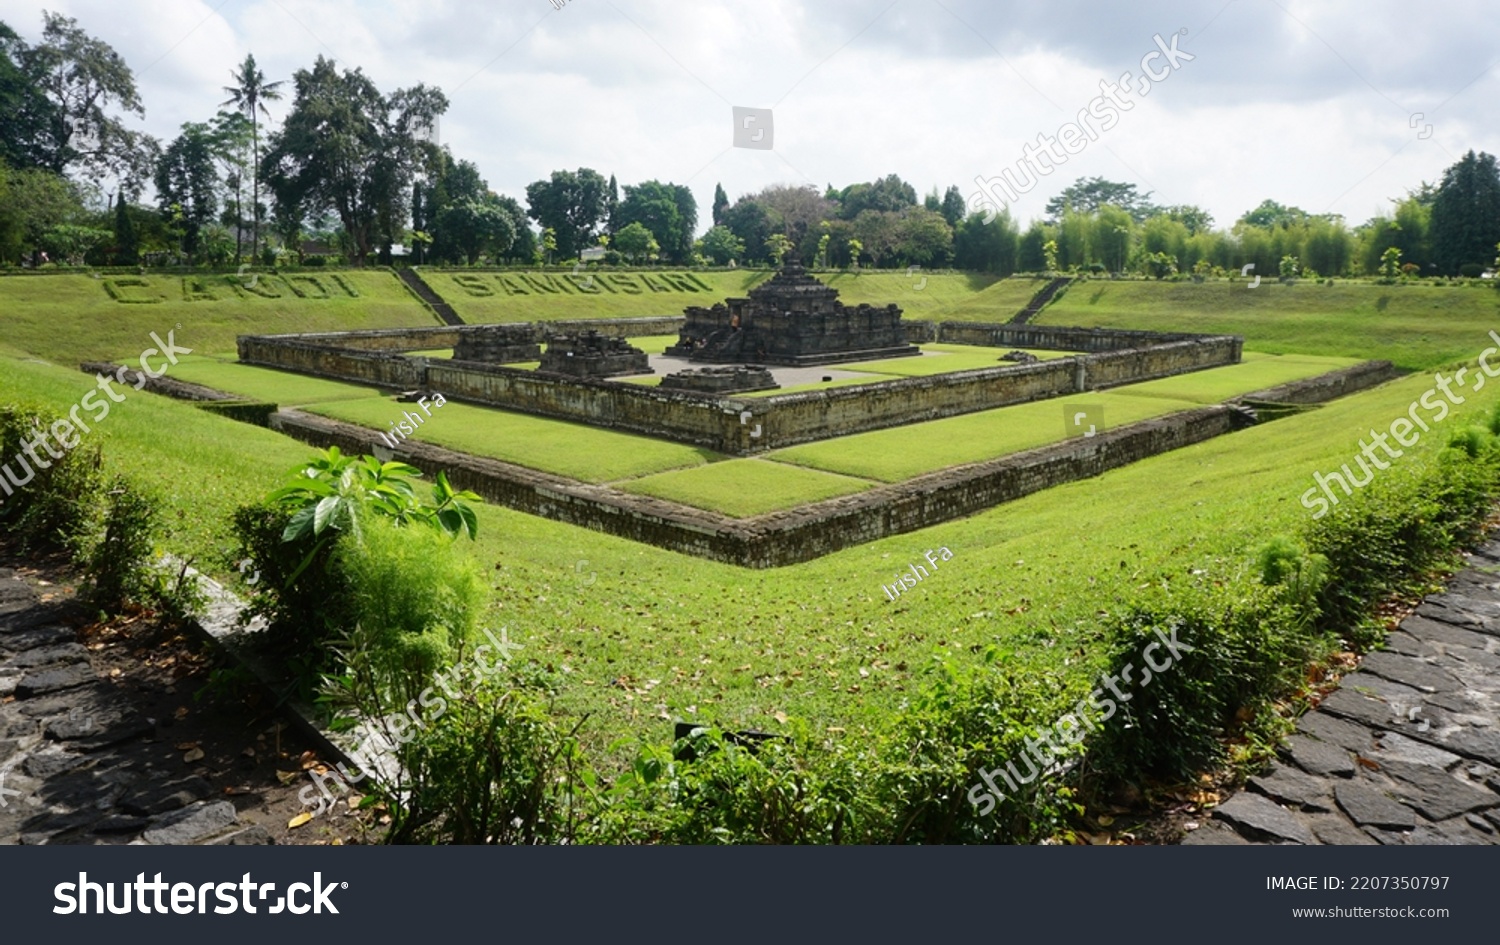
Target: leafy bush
x=51 y=505
x=292 y=538
x=1240 y=649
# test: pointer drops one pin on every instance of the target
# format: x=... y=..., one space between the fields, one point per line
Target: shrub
x=1241 y=650
x=1471 y=270
x=50 y=506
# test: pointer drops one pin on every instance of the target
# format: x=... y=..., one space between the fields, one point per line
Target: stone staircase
x=423 y=291
x=1040 y=300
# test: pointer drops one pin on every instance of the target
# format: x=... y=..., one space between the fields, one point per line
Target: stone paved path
x=1406 y=751
x=78 y=762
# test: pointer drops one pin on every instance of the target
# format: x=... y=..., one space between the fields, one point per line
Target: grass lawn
x=746 y=487
x=72 y=318
x=508 y=297
x=695 y=639
x=1417 y=327
x=265 y=384
x=576 y=450
x=900 y=453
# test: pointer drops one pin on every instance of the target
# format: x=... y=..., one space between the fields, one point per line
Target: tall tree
x=25 y=113
x=1087 y=195
x=573 y=205
x=953 y=206
x=721 y=203
x=84 y=80
x=186 y=184
x=249 y=95
x=127 y=243
x=749 y=221
x=347 y=149
x=889 y=194
x=1466 y=213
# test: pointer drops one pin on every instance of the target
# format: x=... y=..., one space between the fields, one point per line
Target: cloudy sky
x=1333 y=106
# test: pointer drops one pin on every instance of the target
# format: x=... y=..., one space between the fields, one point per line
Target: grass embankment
x=73 y=318
x=1416 y=327
x=642 y=635
x=532 y=296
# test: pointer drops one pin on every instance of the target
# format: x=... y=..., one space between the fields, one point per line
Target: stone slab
x=193 y=823
x=1368 y=807
x=1260 y=816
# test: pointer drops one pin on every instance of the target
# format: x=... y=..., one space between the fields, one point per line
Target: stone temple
x=793 y=319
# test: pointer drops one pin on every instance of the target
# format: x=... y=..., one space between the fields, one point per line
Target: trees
x=987 y=247
x=953 y=207
x=37 y=202
x=25 y=113
x=924 y=238
x=1466 y=213
x=793 y=209
x=83 y=80
x=888 y=195
x=473 y=227
x=721 y=203
x=248 y=96
x=667 y=210
x=347 y=149
x=1087 y=195
x=186 y=184
x=573 y=204
x=721 y=246
x=636 y=242
x=127 y=243
x=751 y=222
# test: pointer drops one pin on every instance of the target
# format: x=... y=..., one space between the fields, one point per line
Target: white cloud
x=1306 y=103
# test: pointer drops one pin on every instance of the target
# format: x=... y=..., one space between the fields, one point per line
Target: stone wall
x=739 y=427
x=796 y=535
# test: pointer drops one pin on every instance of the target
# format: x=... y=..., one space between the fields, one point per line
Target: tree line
x=358 y=172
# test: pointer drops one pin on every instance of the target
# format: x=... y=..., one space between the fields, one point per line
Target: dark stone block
x=39 y=636
x=1409 y=671
x=1334 y=830
x=1435 y=631
x=43 y=681
x=46 y=655
x=1404 y=643
x=1436 y=794
x=1290 y=786
x=1258 y=816
x=1214 y=834
x=1336 y=731
x=251 y=836
x=161 y=798
x=1368 y=807
x=191 y=824
x=1319 y=758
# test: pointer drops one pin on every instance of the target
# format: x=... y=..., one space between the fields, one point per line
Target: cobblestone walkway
x=1406 y=751
x=78 y=762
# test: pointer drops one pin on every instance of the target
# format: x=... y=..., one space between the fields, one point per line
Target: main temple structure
x=793 y=319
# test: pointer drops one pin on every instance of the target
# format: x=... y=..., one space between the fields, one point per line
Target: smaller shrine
x=497 y=344
x=729 y=379
x=590 y=354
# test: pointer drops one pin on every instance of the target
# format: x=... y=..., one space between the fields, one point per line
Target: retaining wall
x=740 y=427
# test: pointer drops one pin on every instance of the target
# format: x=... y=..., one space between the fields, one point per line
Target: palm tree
x=249 y=94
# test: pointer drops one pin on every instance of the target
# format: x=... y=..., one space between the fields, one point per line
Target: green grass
x=72 y=318
x=1417 y=327
x=901 y=453
x=941 y=292
x=735 y=647
x=266 y=385
x=581 y=452
x=746 y=487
